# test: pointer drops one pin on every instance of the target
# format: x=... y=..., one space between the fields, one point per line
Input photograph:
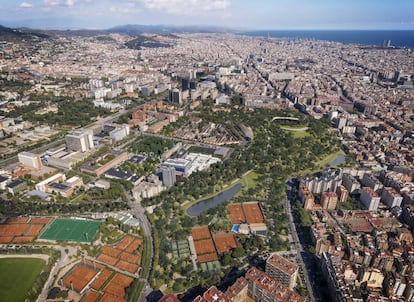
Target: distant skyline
x=241 y=14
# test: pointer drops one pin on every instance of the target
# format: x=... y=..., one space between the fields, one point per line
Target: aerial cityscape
x=208 y=151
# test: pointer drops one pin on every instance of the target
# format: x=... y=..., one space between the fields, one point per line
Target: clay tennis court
x=40 y=220
x=107 y=259
x=23 y=239
x=121 y=256
x=204 y=246
x=225 y=242
x=79 y=277
x=133 y=246
x=21 y=229
x=135 y=259
x=236 y=213
x=34 y=229
x=17 y=220
x=91 y=296
x=253 y=213
x=207 y=258
x=201 y=233
x=127 y=267
x=111 y=298
x=11 y=230
x=122 y=280
x=125 y=242
x=110 y=251
x=6 y=239
x=103 y=277
x=115 y=289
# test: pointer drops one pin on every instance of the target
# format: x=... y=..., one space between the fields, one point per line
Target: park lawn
x=293 y=127
x=17 y=276
x=298 y=131
x=321 y=164
x=300 y=134
x=249 y=180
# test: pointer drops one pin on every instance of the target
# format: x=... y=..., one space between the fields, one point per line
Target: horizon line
x=209 y=26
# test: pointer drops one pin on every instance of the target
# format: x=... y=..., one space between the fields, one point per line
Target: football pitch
x=17 y=276
x=71 y=230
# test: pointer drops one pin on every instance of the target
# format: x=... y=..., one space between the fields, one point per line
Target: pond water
x=213 y=202
x=338 y=160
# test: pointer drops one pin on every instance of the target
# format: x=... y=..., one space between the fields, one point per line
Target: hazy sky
x=246 y=14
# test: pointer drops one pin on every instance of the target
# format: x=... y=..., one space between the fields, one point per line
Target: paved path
x=193 y=252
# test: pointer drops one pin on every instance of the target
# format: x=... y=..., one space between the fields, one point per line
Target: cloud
x=129 y=9
x=25 y=5
x=67 y=3
x=185 y=7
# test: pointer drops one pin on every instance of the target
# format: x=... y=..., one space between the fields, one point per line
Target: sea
x=397 y=38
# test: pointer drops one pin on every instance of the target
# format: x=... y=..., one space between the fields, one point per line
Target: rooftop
x=282 y=264
x=277 y=289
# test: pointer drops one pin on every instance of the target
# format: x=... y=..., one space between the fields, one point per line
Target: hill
x=20 y=34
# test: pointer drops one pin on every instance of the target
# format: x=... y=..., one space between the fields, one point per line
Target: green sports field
x=71 y=230
x=17 y=276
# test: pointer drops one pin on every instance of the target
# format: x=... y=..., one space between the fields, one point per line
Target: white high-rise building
x=80 y=140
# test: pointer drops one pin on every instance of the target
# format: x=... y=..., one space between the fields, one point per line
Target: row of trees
x=70 y=112
x=10 y=207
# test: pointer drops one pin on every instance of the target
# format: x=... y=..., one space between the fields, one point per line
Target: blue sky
x=244 y=14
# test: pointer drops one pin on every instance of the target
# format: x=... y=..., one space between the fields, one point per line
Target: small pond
x=214 y=201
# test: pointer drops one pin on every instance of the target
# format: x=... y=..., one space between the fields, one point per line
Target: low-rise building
x=4 y=180
x=16 y=186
